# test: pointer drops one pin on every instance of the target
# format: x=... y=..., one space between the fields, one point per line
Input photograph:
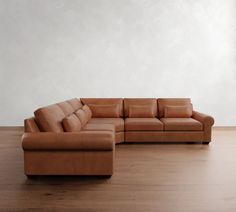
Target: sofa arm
x=95 y=140
x=206 y=120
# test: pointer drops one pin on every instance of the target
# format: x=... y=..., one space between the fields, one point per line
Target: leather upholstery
x=185 y=111
x=162 y=102
x=62 y=162
x=164 y=136
x=104 y=101
x=49 y=118
x=141 y=111
x=84 y=140
x=143 y=124
x=181 y=124
x=50 y=150
x=75 y=103
x=30 y=125
x=105 y=111
x=99 y=127
x=71 y=123
x=207 y=122
x=83 y=117
x=87 y=111
x=141 y=102
x=118 y=122
x=66 y=108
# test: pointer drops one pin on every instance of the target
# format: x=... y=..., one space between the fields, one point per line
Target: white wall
x=55 y=50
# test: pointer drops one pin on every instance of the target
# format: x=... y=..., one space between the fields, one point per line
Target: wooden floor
x=148 y=177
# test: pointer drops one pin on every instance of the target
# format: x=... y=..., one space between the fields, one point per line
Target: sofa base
x=164 y=136
x=120 y=137
x=68 y=163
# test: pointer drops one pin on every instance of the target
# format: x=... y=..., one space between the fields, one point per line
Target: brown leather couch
x=78 y=136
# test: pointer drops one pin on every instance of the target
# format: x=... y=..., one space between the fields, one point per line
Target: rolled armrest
x=206 y=120
x=95 y=140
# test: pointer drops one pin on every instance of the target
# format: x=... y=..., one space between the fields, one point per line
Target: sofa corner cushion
x=71 y=123
x=181 y=124
x=117 y=122
x=49 y=118
x=105 y=111
x=87 y=111
x=141 y=111
x=185 y=111
x=143 y=124
x=99 y=127
x=75 y=103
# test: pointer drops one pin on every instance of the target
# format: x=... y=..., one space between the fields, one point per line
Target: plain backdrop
x=55 y=50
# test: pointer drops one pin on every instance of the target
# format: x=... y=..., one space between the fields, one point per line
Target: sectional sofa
x=78 y=136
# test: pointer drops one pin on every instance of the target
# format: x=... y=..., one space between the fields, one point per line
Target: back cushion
x=87 y=111
x=171 y=102
x=178 y=111
x=49 y=118
x=71 y=123
x=66 y=108
x=75 y=103
x=145 y=111
x=105 y=111
x=147 y=102
x=82 y=117
x=104 y=101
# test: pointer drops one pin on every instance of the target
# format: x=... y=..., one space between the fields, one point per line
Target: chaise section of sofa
x=49 y=150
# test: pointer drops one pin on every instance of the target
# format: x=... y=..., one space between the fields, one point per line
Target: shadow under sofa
x=78 y=136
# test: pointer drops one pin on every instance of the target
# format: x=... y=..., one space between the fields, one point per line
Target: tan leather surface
x=143 y=124
x=83 y=117
x=162 y=102
x=105 y=111
x=49 y=118
x=99 y=127
x=71 y=123
x=119 y=137
x=75 y=103
x=139 y=101
x=185 y=111
x=68 y=162
x=118 y=122
x=207 y=122
x=30 y=125
x=66 y=108
x=141 y=111
x=104 y=101
x=164 y=136
x=87 y=111
x=84 y=140
x=181 y=124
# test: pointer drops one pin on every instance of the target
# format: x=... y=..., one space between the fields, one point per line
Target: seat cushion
x=99 y=127
x=143 y=124
x=118 y=122
x=181 y=124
